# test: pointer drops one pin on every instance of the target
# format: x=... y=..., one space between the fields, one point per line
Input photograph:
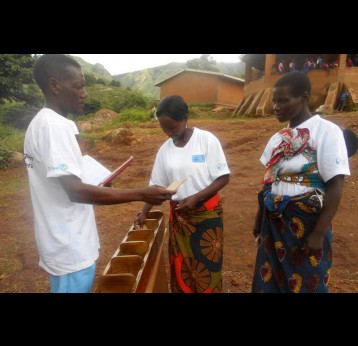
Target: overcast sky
x=123 y=63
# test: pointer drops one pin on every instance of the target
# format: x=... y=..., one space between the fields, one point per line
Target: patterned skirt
x=280 y=264
x=196 y=247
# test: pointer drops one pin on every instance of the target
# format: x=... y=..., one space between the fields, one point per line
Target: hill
x=144 y=80
x=98 y=70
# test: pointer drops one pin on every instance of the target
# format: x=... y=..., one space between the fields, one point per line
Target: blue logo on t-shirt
x=61 y=167
x=198 y=158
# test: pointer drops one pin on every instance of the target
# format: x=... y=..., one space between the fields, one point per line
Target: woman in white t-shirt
x=305 y=167
x=196 y=224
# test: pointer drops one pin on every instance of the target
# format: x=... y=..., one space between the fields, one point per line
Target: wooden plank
x=125 y=264
x=113 y=283
x=146 y=235
x=139 y=248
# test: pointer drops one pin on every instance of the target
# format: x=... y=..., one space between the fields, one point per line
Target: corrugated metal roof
x=221 y=75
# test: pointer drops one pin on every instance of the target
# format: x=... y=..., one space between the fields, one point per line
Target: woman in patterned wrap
x=305 y=167
x=196 y=214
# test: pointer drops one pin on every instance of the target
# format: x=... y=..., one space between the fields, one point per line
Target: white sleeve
x=332 y=158
x=59 y=151
x=274 y=141
x=159 y=175
x=216 y=159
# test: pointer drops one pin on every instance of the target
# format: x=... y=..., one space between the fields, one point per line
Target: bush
x=20 y=116
x=115 y=83
x=115 y=98
x=129 y=115
x=5 y=157
x=134 y=114
x=11 y=138
x=130 y=99
x=92 y=106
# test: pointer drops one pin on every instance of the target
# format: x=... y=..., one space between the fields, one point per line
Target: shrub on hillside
x=130 y=99
x=134 y=114
x=115 y=83
x=5 y=157
x=20 y=116
x=128 y=116
x=92 y=106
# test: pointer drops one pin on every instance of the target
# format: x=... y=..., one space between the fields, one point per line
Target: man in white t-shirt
x=65 y=227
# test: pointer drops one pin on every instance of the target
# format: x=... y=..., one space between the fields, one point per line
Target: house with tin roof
x=203 y=87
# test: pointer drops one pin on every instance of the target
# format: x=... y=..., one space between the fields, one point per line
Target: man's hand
x=157 y=194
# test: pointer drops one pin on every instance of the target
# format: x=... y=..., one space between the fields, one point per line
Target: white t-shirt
x=65 y=232
x=200 y=161
x=332 y=159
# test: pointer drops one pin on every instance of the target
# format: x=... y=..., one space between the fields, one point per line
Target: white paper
x=92 y=171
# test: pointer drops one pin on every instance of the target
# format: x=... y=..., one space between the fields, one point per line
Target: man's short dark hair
x=52 y=66
x=298 y=83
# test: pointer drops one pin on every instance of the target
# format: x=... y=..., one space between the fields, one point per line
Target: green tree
x=15 y=72
x=115 y=83
x=205 y=62
x=101 y=81
x=90 y=79
x=91 y=106
x=20 y=116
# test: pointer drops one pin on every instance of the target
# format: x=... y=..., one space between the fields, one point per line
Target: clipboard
x=118 y=170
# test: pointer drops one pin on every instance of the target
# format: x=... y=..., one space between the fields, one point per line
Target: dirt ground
x=243 y=141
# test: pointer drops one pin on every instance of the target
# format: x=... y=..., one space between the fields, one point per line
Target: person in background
x=343 y=100
x=292 y=65
x=65 y=227
x=319 y=63
x=281 y=67
x=196 y=213
x=305 y=167
x=306 y=66
x=153 y=113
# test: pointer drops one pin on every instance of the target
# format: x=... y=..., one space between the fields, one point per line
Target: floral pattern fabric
x=294 y=142
x=196 y=248
x=280 y=264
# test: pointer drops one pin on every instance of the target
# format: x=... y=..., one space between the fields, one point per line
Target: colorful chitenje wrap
x=196 y=247
x=292 y=144
x=287 y=221
x=280 y=264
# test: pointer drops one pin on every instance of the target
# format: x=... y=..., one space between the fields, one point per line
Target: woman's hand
x=313 y=243
x=139 y=220
x=187 y=203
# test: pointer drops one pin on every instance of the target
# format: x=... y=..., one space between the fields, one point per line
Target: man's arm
x=79 y=192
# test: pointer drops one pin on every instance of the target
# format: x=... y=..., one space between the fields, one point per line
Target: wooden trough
x=138 y=265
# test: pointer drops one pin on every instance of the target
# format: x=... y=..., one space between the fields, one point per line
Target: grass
x=130 y=116
x=11 y=138
x=11 y=185
x=8 y=263
x=90 y=137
